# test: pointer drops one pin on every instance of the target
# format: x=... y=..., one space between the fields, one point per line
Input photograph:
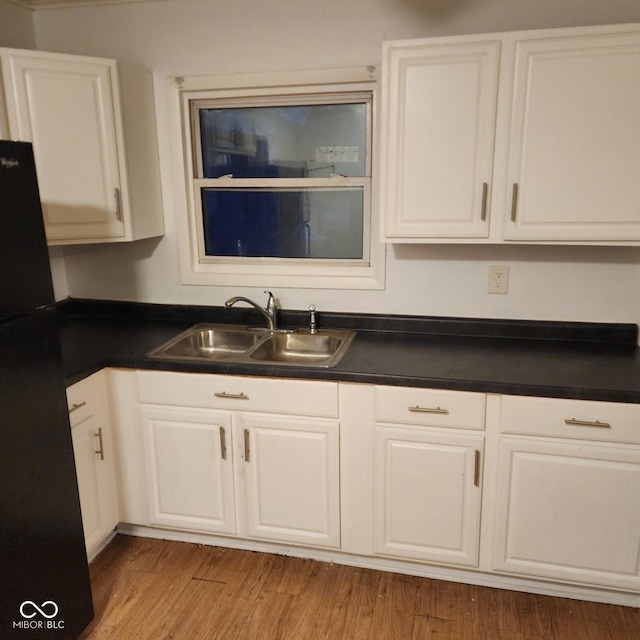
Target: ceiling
x=53 y=4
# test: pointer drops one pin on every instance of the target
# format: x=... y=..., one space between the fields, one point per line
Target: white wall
x=16 y=27
x=185 y=37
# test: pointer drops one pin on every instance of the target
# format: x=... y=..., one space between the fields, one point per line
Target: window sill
x=304 y=277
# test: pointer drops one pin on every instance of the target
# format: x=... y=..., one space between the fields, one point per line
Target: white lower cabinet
x=427 y=476
x=427 y=495
x=568 y=491
x=291 y=469
x=530 y=493
x=569 y=512
x=255 y=474
x=189 y=467
x=95 y=459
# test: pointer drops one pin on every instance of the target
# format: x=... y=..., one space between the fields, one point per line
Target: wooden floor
x=152 y=589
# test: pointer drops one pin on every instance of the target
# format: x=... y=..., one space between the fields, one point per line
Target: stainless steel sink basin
x=230 y=343
x=210 y=341
x=322 y=349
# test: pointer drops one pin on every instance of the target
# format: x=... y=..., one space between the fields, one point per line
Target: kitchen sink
x=231 y=343
x=303 y=349
x=208 y=341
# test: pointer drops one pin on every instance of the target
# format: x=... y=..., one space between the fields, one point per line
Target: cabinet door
x=427 y=495
x=569 y=511
x=95 y=458
x=65 y=106
x=574 y=156
x=189 y=469
x=291 y=467
x=439 y=110
x=85 y=448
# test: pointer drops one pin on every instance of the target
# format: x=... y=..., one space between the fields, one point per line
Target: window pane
x=310 y=141
x=284 y=223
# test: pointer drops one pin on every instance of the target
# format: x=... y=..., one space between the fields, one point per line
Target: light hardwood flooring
x=153 y=589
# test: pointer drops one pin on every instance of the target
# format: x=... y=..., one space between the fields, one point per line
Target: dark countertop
x=586 y=361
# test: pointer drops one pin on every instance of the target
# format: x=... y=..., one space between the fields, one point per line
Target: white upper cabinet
x=439 y=114
x=95 y=148
x=574 y=149
x=529 y=136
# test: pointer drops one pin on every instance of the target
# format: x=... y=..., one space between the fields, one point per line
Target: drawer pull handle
x=231 y=396
x=246 y=445
x=223 y=443
x=476 y=470
x=75 y=407
x=419 y=409
x=100 y=450
x=587 y=423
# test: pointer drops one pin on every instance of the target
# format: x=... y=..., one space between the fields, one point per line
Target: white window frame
x=199 y=269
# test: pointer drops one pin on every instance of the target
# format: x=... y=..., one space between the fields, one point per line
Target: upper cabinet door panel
x=439 y=111
x=66 y=108
x=575 y=139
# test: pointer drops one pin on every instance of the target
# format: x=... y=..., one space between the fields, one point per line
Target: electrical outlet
x=498 y=279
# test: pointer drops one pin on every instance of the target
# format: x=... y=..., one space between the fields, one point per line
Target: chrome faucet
x=269 y=312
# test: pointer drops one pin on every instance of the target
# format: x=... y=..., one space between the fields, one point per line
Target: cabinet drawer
x=301 y=397
x=582 y=419
x=83 y=397
x=430 y=407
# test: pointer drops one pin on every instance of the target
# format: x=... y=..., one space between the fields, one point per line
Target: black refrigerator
x=45 y=590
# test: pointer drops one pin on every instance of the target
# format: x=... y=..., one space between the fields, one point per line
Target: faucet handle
x=271 y=302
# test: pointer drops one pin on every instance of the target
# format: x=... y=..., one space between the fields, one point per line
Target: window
x=278 y=181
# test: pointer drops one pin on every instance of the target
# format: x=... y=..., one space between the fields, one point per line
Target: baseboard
x=96 y=549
